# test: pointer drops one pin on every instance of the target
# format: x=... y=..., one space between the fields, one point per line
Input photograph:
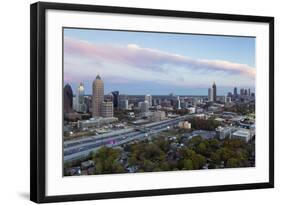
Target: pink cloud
x=150 y=59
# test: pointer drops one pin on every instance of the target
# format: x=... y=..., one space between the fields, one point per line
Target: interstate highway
x=76 y=149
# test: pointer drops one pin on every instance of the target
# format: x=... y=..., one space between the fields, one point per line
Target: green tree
x=106 y=161
x=198 y=161
x=202 y=148
x=216 y=158
x=232 y=162
x=187 y=164
x=195 y=141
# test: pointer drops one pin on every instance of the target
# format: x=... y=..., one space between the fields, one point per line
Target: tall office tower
x=80 y=101
x=107 y=109
x=178 y=103
x=209 y=94
x=148 y=98
x=144 y=107
x=97 y=96
x=214 y=92
x=115 y=98
x=67 y=99
x=249 y=91
x=245 y=92
x=235 y=92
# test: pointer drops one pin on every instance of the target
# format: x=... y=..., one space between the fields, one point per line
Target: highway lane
x=77 y=146
x=74 y=142
x=78 y=142
x=113 y=139
x=81 y=149
x=84 y=151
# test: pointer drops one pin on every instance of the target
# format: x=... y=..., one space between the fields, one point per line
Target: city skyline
x=194 y=92
x=132 y=66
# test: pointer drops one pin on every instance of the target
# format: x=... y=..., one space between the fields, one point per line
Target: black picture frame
x=38 y=101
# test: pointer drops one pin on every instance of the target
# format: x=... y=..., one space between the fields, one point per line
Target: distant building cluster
x=101 y=105
x=245 y=94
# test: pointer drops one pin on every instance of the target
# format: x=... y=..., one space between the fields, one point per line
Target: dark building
x=229 y=94
x=242 y=92
x=115 y=98
x=67 y=99
x=235 y=93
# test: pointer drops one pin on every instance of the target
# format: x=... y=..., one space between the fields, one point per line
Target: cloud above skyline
x=122 y=64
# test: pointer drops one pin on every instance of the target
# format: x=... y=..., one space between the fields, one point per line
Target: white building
x=224 y=132
x=148 y=98
x=144 y=107
x=199 y=110
x=96 y=122
x=158 y=116
x=192 y=110
x=227 y=99
x=244 y=134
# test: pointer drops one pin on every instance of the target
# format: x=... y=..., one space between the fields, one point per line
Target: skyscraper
x=80 y=101
x=214 y=92
x=115 y=98
x=148 y=98
x=178 y=103
x=235 y=92
x=97 y=96
x=209 y=94
x=67 y=99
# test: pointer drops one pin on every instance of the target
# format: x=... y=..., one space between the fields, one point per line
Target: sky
x=158 y=63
